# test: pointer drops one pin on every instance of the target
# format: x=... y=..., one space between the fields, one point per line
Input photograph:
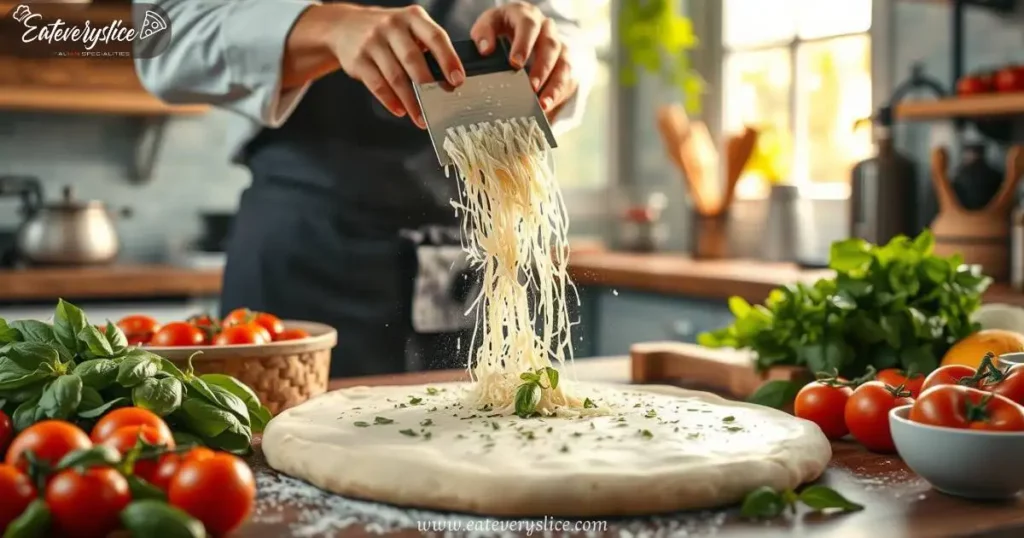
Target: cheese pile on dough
x=515 y=230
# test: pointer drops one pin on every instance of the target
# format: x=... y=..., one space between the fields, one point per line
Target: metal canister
x=1017 y=250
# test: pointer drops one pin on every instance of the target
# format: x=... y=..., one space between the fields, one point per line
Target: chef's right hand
x=383 y=48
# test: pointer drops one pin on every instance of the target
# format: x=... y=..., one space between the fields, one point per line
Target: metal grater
x=493 y=90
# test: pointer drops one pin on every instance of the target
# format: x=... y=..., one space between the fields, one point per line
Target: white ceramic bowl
x=966 y=463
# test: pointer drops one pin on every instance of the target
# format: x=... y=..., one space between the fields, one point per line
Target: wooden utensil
x=739 y=149
x=719 y=370
x=675 y=129
x=981 y=236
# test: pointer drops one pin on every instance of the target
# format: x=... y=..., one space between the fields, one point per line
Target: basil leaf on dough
x=527 y=398
x=552 y=377
x=763 y=503
x=823 y=498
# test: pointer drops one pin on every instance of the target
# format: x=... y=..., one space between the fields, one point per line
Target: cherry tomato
x=87 y=504
x=1011 y=386
x=947 y=375
x=208 y=324
x=1009 y=79
x=6 y=431
x=974 y=84
x=219 y=491
x=131 y=416
x=867 y=415
x=124 y=439
x=17 y=492
x=241 y=316
x=242 y=334
x=138 y=329
x=49 y=441
x=292 y=334
x=178 y=333
x=823 y=405
x=166 y=468
x=198 y=453
x=956 y=406
x=894 y=377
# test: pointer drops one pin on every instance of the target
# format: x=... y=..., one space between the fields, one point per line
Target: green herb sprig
x=529 y=393
x=767 y=503
x=72 y=370
x=893 y=306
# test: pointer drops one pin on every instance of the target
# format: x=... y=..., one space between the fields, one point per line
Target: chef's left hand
x=534 y=35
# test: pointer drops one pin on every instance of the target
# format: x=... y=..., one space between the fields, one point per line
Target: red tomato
x=131 y=416
x=49 y=441
x=178 y=333
x=208 y=324
x=87 y=504
x=955 y=406
x=198 y=453
x=292 y=334
x=823 y=405
x=241 y=316
x=124 y=439
x=166 y=468
x=138 y=329
x=867 y=415
x=947 y=375
x=17 y=492
x=242 y=334
x=6 y=432
x=894 y=377
x=974 y=85
x=1009 y=79
x=1011 y=386
x=219 y=491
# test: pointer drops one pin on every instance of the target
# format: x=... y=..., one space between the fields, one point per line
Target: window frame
x=709 y=61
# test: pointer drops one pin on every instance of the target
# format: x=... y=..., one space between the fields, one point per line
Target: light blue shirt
x=228 y=53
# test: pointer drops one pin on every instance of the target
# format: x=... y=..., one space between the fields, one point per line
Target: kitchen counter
x=670 y=274
x=896 y=499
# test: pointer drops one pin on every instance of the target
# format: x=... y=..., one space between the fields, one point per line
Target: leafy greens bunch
x=72 y=370
x=897 y=305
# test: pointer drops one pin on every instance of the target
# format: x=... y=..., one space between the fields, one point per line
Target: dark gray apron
x=346 y=201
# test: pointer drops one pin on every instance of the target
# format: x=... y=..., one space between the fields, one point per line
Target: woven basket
x=283 y=374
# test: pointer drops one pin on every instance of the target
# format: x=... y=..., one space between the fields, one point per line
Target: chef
x=348 y=220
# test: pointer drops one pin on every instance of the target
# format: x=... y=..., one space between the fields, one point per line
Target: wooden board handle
x=726 y=371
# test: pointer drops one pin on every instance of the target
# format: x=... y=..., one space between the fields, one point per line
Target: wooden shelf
x=1009 y=104
x=94 y=101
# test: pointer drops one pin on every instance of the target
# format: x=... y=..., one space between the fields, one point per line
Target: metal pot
x=70 y=232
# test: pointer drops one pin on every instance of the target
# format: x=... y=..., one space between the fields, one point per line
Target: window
x=799 y=70
x=580 y=161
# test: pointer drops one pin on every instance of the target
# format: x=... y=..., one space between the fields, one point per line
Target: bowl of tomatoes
x=963 y=440
x=286 y=362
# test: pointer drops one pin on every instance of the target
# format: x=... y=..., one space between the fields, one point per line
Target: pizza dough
x=660 y=449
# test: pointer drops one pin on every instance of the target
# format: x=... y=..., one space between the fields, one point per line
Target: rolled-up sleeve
x=583 y=59
x=226 y=53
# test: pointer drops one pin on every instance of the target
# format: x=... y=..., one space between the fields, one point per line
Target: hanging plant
x=657 y=40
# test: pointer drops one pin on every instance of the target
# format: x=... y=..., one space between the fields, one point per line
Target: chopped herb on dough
x=735 y=428
x=432 y=409
x=651 y=413
x=431 y=391
x=427 y=422
x=362 y=424
x=565 y=448
x=402 y=406
x=646 y=434
x=636 y=404
x=620 y=419
x=495 y=425
x=427 y=436
x=577 y=434
x=414 y=400
x=382 y=420
x=549 y=429
x=729 y=418
x=408 y=433
x=589 y=404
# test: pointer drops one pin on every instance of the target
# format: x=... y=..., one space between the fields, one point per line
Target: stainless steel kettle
x=70 y=232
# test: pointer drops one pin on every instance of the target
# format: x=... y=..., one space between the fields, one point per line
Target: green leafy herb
x=97 y=373
x=552 y=377
x=646 y=434
x=34 y=522
x=154 y=518
x=382 y=420
x=763 y=503
x=162 y=396
x=137 y=366
x=651 y=413
x=94 y=343
x=33 y=331
x=432 y=391
x=61 y=397
x=415 y=401
x=141 y=489
x=361 y=424
x=259 y=414
x=427 y=422
x=68 y=321
x=729 y=418
x=821 y=498
x=527 y=398
x=565 y=448
x=896 y=305
x=776 y=394
x=589 y=404
x=408 y=433
x=97 y=456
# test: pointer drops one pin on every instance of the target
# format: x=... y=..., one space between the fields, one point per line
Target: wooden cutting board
x=726 y=371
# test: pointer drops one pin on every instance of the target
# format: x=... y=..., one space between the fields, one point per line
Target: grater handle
x=472 y=61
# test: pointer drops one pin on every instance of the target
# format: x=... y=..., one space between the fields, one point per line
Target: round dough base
x=661 y=449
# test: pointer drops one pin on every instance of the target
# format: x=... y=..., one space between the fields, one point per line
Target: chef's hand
x=534 y=35
x=382 y=47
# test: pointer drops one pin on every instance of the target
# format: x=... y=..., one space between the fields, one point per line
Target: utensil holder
x=709 y=237
x=782 y=227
